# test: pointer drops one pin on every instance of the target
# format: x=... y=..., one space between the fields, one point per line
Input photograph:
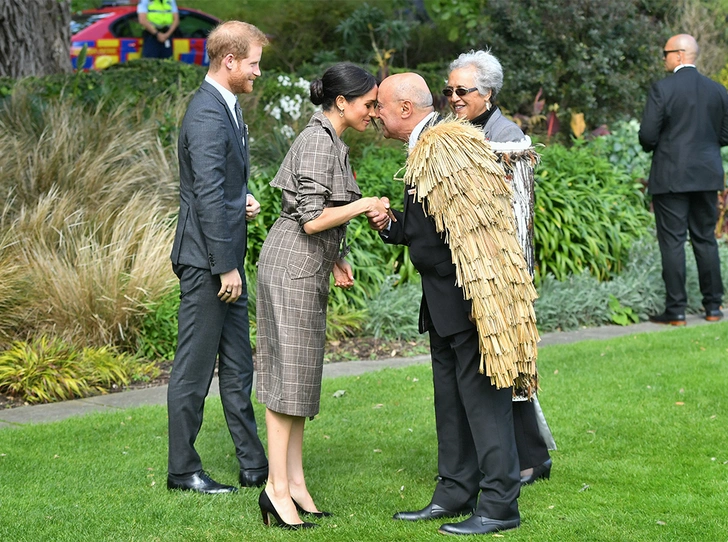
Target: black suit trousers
x=675 y=215
x=210 y=329
x=475 y=436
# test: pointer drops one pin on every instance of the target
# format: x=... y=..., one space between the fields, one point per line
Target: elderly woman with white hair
x=474 y=81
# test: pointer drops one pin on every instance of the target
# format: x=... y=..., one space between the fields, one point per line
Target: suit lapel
x=240 y=132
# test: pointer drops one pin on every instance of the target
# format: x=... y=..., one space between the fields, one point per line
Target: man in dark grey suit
x=474 y=420
x=685 y=123
x=208 y=257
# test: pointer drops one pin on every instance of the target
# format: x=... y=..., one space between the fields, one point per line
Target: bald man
x=474 y=421
x=684 y=125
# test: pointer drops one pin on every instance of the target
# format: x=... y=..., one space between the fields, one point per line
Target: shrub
x=587 y=214
x=157 y=337
x=279 y=104
x=600 y=62
x=623 y=150
x=43 y=371
x=582 y=300
x=147 y=80
x=55 y=145
x=394 y=311
x=370 y=36
x=345 y=314
x=12 y=286
x=46 y=370
x=96 y=270
x=299 y=31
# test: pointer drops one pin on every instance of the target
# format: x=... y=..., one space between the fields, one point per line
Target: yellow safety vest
x=160 y=13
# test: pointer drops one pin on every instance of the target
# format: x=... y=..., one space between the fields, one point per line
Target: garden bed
x=350 y=349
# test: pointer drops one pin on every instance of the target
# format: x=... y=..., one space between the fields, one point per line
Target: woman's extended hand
x=343 y=275
x=380 y=214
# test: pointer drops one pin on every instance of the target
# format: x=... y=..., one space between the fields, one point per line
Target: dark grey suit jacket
x=685 y=123
x=211 y=230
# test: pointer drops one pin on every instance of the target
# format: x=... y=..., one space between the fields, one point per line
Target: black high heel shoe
x=540 y=472
x=315 y=514
x=267 y=508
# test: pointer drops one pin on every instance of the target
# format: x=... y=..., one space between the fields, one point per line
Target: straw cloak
x=463 y=186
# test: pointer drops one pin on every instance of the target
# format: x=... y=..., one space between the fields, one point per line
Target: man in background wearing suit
x=685 y=123
x=208 y=257
x=474 y=420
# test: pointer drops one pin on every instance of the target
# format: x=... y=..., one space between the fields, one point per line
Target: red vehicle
x=113 y=34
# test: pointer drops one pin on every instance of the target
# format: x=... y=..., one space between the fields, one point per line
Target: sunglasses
x=460 y=91
x=666 y=52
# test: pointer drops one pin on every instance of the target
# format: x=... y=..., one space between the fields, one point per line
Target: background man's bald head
x=687 y=44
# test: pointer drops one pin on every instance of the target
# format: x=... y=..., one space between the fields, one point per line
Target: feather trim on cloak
x=518 y=160
x=463 y=187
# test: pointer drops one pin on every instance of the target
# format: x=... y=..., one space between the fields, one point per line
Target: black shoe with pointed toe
x=199 y=482
x=319 y=514
x=479 y=525
x=540 y=472
x=267 y=510
x=431 y=511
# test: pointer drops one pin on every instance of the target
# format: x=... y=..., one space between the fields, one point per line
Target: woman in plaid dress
x=305 y=245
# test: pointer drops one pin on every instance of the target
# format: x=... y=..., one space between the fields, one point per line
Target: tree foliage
x=596 y=58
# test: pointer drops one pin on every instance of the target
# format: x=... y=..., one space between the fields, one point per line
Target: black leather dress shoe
x=253 y=477
x=431 y=511
x=199 y=482
x=668 y=318
x=539 y=471
x=714 y=315
x=479 y=525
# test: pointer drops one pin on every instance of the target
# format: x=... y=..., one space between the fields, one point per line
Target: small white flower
x=276 y=113
x=287 y=131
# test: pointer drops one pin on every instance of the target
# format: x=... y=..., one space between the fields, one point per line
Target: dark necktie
x=239 y=116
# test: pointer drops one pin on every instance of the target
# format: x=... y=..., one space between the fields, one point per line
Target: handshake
x=379 y=214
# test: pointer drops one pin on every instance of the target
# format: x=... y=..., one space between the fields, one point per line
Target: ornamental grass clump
x=97 y=271
x=88 y=220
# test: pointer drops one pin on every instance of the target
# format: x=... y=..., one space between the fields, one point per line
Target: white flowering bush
x=287 y=100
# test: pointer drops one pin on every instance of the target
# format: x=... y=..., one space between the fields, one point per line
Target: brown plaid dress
x=294 y=270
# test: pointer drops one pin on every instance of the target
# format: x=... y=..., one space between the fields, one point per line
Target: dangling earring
x=341 y=113
x=487 y=106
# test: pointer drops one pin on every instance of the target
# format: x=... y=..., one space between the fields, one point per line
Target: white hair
x=488 y=70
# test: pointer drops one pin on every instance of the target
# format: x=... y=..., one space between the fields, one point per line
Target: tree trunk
x=35 y=37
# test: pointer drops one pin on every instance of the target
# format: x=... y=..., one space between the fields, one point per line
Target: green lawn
x=640 y=421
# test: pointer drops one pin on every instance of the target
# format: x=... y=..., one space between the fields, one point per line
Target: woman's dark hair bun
x=342 y=79
x=317 y=92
